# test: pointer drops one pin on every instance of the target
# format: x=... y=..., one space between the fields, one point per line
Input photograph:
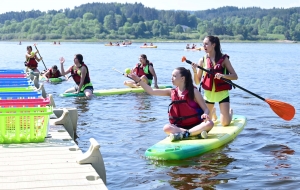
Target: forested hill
x=115 y=20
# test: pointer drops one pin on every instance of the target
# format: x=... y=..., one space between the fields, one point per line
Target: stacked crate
x=24 y=113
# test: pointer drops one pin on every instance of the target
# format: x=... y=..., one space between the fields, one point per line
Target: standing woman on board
x=31 y=59
x=145 y=70
x=215 y=89
x=80 y=73
x=188 y=114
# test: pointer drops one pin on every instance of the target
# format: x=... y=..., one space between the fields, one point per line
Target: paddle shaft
x=229 y=81
x=40 y=56
x=122 y=73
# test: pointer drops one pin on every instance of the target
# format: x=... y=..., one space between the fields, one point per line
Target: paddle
x=123 y=73
x=282 y=109
x=40 y=56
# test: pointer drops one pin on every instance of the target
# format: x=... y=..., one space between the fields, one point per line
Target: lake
x=264 y=156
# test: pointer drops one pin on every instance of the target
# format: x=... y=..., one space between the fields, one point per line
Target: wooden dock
x=48 y=165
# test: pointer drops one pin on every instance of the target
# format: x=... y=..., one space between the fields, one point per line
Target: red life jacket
x=56 y=75
x=32 y=64
x=140 y=71
x=76 y=77
x=220 y=85
x=181 y=113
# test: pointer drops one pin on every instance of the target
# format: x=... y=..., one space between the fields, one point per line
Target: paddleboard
x=177 y=150
x=60 y=79
x=108 y=92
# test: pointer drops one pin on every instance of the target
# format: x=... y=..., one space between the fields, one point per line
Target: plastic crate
x=8 y=84
x=17 y=89
x=12 y=71
x=39 y=102
x=14 y=82
x=10 y=75
x=19 y=95
x=24 y=125
x=13 y=79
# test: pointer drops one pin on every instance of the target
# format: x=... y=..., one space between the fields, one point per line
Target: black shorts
x=222 y=101
x=88 y=87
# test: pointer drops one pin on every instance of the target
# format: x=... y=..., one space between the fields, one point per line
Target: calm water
x=265 y=155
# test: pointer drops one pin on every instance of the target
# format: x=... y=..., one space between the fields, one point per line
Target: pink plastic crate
x=37 y=102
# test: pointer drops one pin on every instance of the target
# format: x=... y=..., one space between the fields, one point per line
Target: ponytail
x=186 y=73
x=215 y=40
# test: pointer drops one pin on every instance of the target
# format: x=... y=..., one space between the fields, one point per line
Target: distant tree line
x=131 y=21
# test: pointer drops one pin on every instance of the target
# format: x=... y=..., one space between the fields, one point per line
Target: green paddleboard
x=108 y=92
x=218 y=136
x=42 y=78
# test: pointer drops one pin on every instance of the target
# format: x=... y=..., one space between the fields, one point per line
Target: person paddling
x=188 y=114
x=53 y=72
x=80 y=73
x=215 y=89
x=32 y=59
x=145 y=70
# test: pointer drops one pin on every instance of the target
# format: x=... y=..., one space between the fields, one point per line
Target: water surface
x=264 y=156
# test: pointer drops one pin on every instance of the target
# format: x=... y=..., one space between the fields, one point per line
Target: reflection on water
x=81 y=104
x=205 y=171
x=280 y=154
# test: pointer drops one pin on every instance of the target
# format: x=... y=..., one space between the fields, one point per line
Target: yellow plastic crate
x=24 y=125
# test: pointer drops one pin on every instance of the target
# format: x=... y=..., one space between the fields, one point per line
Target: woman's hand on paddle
x=194 y=67
x=219 y=75
x=61 y=60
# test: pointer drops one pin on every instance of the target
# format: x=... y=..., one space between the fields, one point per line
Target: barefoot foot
x=214 y=115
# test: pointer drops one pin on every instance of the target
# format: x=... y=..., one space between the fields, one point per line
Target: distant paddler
x=32 y=59
x=80 y=73
x=53 y=72
x=144 y=69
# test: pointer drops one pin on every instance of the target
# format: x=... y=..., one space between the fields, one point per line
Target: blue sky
x=44 y=5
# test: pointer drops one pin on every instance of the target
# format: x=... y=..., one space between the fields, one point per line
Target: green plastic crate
x=17 y=89
x=24 y=125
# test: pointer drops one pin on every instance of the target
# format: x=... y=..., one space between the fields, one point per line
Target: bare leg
x=211 y=111
x=204 y=126
x=88 y=93
x=70 y=90
x=225 y=113
x=170 y=128
x=130 y=84
x=214 y=116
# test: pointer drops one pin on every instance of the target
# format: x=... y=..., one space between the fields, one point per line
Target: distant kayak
x=195 y=49
x=148 y=47
x=217 y=137
x=111 y=45
x=116 y=91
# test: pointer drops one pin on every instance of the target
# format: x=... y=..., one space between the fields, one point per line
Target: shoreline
x=151 y=40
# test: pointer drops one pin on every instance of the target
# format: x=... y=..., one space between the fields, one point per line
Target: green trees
x=115 y=20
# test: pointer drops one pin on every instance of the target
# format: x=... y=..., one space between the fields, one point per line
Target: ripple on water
x=264 y=156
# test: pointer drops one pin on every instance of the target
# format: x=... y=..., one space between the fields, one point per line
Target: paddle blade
x=282 y=109
x=183 y=59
